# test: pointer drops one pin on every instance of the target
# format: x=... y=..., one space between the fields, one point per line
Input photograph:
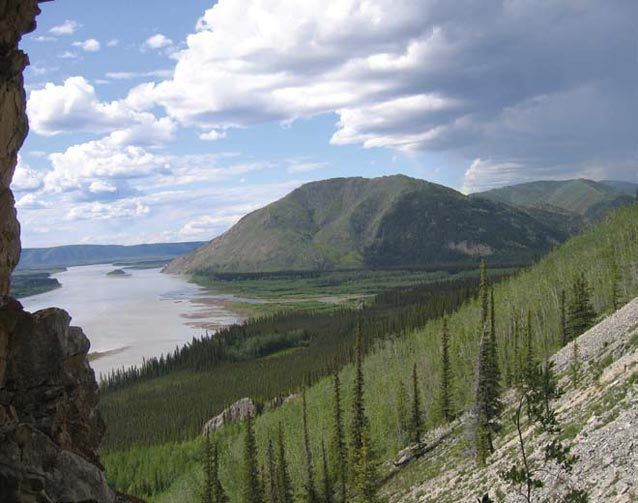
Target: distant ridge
x=387 y=222
x=71 y=255
x=587 y=198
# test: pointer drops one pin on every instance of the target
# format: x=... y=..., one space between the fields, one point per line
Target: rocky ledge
x=50 y=428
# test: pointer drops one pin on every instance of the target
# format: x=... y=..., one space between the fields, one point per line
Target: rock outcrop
x=238 y=411
x=49 y=425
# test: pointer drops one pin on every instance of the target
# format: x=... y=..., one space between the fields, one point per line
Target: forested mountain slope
x=607 y=257
x=587 y=198
x=386 y=222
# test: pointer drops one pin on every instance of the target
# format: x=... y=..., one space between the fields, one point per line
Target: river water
x=144 y=314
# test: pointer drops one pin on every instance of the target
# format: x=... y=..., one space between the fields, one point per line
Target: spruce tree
x=339 y=444
x=311 y=491
x=581 y=314
x=402 y=412
x=272 y=474
x=416 y=426
x=284 y=483
x=207 y=493
x=328 y=492
x=445 y=400
x=219 y=495
x=482 y=432
x=251 y=490
x=530 y=353
x=363 y=465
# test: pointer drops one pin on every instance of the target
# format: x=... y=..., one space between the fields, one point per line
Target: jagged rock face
x=49 y=425
x=17 y=17
x=48 y=381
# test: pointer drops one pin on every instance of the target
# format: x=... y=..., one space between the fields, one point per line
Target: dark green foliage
x=271 y=486
x=311 y=490
x=530 y=351
x=416 y=424
x=340 y=449
x=199 y=380
x=563 y=318
x=580 y=314
x=488 y=406
x=445 y=393
x=403 y=423
x=213 y=490
x=328 y=491
x=26 y=283
x=284 y=484
x=363 y=467
x=207 y=493
x=252 y=487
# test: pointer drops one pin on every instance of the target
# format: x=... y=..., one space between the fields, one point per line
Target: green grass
x=537 y=289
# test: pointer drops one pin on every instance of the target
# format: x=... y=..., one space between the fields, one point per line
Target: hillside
x=600 y=418
x=607 y=254
x=387 y=222
x=586 y=198
x=66 y=256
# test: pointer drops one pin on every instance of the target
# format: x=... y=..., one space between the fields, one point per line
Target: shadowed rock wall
x=50 y=428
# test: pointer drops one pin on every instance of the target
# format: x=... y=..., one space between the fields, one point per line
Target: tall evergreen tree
x=482 y=431
x=311 y=491
x=284 y=483
x=207 y=493
x=271 y=490
x=581 y=314
x=251 y=490
x=416 y=426
x=363 y=465
x=339 y=445
x=402 y=412
x=484 y=293
x=219 y=495
x=445 y=392
x=328 y=491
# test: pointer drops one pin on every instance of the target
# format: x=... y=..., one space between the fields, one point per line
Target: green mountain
x=66 y=256
x=386 y=222
x=589 y=199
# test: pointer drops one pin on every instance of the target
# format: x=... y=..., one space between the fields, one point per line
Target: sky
x=168 y=121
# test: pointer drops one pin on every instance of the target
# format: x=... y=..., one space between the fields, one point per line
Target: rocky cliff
x=49 y=425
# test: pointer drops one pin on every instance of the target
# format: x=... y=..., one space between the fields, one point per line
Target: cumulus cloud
x=89 y=45
x=67 y=55
x=74 y=106
x=530 y=85
x=157 y=41
x=25 y=179
x=69 y=27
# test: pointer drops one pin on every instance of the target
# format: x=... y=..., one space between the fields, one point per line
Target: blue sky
x=168 y=121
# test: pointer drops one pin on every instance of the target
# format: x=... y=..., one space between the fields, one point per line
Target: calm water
x=141 y=315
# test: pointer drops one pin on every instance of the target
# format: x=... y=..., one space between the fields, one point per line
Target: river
x=143 y=314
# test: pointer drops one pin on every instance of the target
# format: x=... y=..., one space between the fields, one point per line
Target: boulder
x=238 y=411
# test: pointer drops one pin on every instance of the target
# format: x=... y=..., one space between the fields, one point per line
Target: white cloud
x=213 y=135
x=495 y=80
x=30 y=201
x=25 y=179
x=114 y=210
x=44 y=38
x=157 y=41
x=67 y=55
x=113 y=42
x=135 y=75
x=74 y=106
x=69 y=27
x=89 y=45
